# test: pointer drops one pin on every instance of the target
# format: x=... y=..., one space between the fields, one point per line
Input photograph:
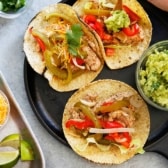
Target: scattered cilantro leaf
x=73 y=38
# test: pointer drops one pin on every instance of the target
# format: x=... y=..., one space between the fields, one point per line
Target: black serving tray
x=48 y=104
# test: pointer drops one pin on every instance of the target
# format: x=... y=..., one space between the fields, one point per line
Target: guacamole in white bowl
x=152 y=75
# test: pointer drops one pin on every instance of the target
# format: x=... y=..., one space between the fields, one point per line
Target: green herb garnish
x=11 y=5
x=73 y=38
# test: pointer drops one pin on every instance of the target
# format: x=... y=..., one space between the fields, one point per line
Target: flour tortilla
x=126 y=56
x=104 y=89
x=36 y=61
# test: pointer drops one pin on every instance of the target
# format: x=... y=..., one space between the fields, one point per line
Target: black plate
x=48 y=104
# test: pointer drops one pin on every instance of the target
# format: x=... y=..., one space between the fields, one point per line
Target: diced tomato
x=109 y=51
x=107 y=37
x=132 y=15
x=80 y=61
x=131 y=30
x=89 y=19
x=84 y=124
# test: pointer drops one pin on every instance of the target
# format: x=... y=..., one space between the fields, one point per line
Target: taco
x=60 y=47
x=106 y=122
x=123 y=27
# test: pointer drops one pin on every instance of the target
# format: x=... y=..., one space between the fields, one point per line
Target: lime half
x=12 y=140
x=26 y=151
x=8 y=158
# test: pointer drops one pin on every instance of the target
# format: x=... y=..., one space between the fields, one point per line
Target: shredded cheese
x=3 y=108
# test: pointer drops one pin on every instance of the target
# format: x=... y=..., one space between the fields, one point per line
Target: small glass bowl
x=15 y=14
x=159 y=46
x=4 y=109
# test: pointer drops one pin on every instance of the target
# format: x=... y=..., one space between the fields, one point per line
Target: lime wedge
x=12 y=140
x=26 y=151
x=8 y=158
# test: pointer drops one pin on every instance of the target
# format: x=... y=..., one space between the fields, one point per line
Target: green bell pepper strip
x=88 y=113
x=62 y=74
x=69 y=75
x=116 y=105
x=41 y=36
x=65 y=75
x=59 y=15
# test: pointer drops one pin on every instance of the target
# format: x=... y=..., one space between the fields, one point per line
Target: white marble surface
x=11 y=65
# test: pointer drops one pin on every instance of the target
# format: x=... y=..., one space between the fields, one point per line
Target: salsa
x=11 y=5
x=154 y=77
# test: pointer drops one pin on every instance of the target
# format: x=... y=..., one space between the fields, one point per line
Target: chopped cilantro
x=73 y=38
x=11 y=5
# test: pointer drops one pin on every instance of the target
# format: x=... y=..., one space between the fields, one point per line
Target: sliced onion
x=128 y=110
x=76 y=64
x=135 y=101
x=110 y=130
x=88 y=103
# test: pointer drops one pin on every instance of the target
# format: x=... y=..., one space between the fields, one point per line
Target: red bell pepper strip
x=38 y=40
x=131 y=30
x=111 y=124
x=123 y=139
x=95 y=24
x=41 y=43
x=83 y=124
x=120 y=138
x=132 y=15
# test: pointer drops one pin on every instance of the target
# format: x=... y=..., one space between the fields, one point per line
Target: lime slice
x=8 y=158
x=26 y=151
x=12 y=140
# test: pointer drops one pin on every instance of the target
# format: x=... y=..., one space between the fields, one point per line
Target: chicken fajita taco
x=106 y=122
x=63 y=49
x=123 y=27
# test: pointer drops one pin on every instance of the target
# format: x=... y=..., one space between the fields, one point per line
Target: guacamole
x=154 y=77
x=118 y=20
